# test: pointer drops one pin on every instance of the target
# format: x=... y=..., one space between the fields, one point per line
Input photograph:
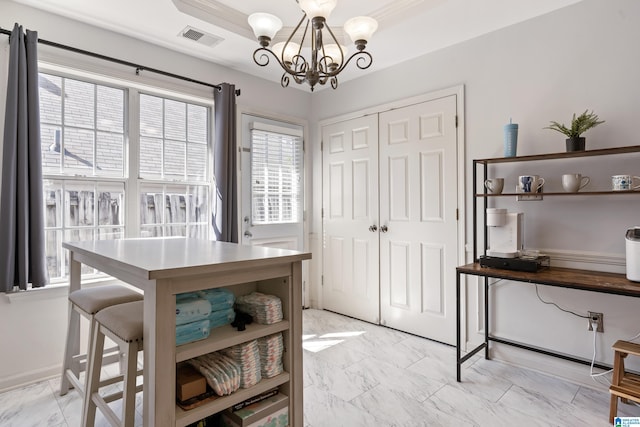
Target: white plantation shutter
x=276 y=174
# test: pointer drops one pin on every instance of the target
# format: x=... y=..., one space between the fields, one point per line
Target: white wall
x=33 y=326
x=582 y=56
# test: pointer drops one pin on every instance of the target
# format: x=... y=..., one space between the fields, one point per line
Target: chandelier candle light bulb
x=360 y=29
x=335 y=54
x=327 y=59
x=318 y=8
x=285 y=54
x=265 y=26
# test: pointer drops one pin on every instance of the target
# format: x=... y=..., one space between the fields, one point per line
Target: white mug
x=530 y=183
x=573 y=182
x=623 y=182
x=494 y=185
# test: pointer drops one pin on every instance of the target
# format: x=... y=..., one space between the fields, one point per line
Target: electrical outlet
x=599 y=319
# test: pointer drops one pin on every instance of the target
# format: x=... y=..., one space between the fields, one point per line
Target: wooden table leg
x=159 y=356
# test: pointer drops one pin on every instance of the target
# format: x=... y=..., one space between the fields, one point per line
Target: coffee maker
x=505 y=233
x=633 y=254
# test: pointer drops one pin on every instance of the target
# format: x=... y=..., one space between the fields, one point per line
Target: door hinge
x=322 y=213
x=321 y=145
x=322 y=280
x=457 y=215
x=456 y=121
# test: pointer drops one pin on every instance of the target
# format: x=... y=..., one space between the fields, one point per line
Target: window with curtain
x=276 y=176
x=103 y=181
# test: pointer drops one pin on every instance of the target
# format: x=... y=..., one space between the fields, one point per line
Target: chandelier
x=327 y=55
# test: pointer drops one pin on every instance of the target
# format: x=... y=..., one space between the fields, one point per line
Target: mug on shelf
x=494 y=185
x=623 y=182
x=530 y=183
x=573 y=182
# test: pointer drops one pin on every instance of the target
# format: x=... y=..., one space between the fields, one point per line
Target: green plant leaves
x=579 y=125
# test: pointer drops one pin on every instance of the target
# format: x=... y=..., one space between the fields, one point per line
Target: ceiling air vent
x=200 y=36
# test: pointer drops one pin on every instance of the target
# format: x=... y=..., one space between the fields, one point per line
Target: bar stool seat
x=123 y=324
x=87 y=302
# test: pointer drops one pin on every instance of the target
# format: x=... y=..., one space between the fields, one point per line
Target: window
x=103 y=182
x=276 y=181
x=173 y=148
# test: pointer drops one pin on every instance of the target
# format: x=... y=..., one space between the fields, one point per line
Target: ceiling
x=407 y=28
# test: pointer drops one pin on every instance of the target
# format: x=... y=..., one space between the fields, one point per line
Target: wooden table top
x=596 y=281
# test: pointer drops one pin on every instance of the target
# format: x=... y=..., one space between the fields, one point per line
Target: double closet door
x=390 y=232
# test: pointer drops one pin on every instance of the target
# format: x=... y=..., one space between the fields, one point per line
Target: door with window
x=272 y=183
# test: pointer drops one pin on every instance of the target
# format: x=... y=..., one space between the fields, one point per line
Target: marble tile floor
x=358 y=374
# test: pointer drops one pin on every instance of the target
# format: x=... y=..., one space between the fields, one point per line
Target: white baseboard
x=30 y=377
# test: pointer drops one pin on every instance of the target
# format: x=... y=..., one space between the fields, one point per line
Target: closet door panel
x=350 y=204
x=418 y=201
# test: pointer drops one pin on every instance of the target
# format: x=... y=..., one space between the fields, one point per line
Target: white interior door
x=350 y=218
x=272 y=197
x=418 y=218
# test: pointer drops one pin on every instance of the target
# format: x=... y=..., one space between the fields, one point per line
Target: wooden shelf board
x=582 y=193
x=184 y=418
x=587 y=280
x=227 y=336
x=563 y=155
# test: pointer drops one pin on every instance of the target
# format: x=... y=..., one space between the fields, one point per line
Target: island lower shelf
x=184 y=418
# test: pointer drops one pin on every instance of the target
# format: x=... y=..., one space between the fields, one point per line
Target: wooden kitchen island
x=162 y=268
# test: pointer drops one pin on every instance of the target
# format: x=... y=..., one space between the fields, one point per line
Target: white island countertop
x=157 y=258
x=164 y=267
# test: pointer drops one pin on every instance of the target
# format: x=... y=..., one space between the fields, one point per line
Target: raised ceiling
x=407 y=28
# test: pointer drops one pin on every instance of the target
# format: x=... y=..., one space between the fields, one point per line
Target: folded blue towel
x=219 y=298
x=221 y=317
x=193 y=331
x=191 y=309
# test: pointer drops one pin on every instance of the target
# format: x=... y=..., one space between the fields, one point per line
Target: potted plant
x=579 y=125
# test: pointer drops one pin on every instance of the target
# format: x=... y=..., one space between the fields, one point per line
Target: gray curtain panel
x=225 y=200
x=22 y=248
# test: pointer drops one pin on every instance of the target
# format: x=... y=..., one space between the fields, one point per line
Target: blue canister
x=510 y=139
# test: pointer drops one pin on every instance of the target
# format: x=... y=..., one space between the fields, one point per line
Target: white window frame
x=299 y=202
x=107 y=76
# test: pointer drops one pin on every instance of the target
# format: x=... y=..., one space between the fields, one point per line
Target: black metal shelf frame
x=484 y=197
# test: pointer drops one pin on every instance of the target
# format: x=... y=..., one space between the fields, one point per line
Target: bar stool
x=624 y=385
x=87 y=302
x=123 y=324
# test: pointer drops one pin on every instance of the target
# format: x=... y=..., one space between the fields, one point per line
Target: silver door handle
x=373 y=228
x=384 y=229
x=248 y=234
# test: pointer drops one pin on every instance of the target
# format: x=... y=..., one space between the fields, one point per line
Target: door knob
x=248 y=234
x=373 y=228
x=384 y=229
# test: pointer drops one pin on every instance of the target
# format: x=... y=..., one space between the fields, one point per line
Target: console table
x=594 y=281
x=165 y=267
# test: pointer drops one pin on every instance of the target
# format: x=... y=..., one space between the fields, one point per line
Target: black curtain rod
x=121 y=62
